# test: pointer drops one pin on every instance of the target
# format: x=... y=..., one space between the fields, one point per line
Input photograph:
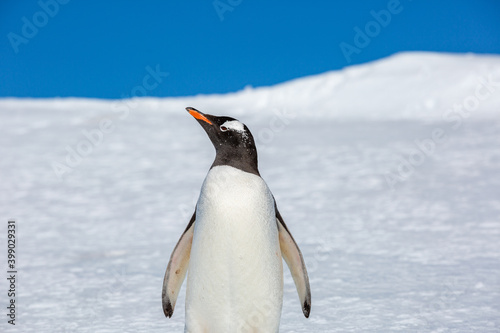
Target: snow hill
x=387 y=175
x=409 y=85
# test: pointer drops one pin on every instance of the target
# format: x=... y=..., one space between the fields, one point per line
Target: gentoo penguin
x=233 y=244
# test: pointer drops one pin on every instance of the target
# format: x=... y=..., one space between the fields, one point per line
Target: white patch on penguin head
x=234 y=125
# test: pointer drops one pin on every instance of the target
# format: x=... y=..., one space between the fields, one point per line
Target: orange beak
x=198 y=115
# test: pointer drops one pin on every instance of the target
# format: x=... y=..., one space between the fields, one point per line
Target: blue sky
x=114 y=49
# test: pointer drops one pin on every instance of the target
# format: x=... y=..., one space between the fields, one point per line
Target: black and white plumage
x=233 y=244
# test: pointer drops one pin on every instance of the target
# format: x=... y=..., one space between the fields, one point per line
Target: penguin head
x=233 y=141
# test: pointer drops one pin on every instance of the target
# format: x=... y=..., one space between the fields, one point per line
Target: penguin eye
x=223 y=128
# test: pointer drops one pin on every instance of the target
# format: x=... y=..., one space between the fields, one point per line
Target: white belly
x=235 y=276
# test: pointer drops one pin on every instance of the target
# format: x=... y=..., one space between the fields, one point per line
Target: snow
x=387 y=175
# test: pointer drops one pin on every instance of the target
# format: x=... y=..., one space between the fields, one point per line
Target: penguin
x=233 y=245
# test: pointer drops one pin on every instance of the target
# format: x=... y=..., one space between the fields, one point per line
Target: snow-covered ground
x=387 y=174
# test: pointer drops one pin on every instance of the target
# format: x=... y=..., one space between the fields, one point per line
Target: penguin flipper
x=176 y=269
x=293 y=258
